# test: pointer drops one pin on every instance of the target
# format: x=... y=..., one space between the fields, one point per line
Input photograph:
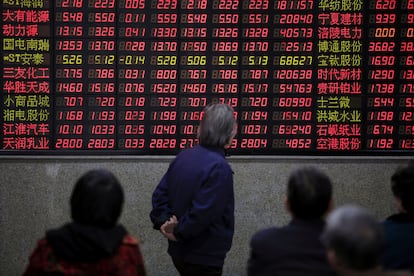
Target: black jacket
x=294 y=249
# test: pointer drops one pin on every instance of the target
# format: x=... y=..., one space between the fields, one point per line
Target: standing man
x=193 y=205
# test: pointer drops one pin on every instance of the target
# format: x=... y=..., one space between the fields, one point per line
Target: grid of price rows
x=132 y=76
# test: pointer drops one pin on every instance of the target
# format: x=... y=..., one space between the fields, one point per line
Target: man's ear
x=333 y=260
x=331 y=206
x=400 y=206
x=287 y=205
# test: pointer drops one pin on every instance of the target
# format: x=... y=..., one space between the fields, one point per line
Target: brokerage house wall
x=34 y=197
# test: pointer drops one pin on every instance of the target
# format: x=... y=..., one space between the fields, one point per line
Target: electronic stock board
x=310 y=77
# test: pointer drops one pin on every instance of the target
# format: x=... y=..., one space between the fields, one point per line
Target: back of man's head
x=355 y=237
x=309 y=193
x=218 y=126
x=402 y=185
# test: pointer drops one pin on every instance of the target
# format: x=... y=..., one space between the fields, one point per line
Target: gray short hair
x=356 y=237
x=218 y=126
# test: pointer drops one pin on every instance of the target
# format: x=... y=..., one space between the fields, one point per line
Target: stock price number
x=253 y=143
x=293 y=5
x=380 y=102
x=407 y=116
x=188 y=143
x=381 y=116
x=69 y=143
x=132 y=115
x=255 y=60
x=69 y=59
x=407 y=144
x=104 y=115
x=383 y=143
x=163 y=143
x=101 y=59
x=102 y=129
x=293 y=46
x=132 y=143
x=380 y=129
x=66 y=129
x=101 y=101
x=406 y=129
x=292 y=60
x=286 y=88
x=70 y=115
x=254 y=115
x=69 y=31
x=293 y=33
x=254 y=129
x=292 y=143
x=292 y=115
x=292 y=129
x=406 y=102
x=72 y=87
x=132 y=129
x=69 y=17
x=69 y=101
x=293 y=74
x=164 y=129
x=164 y=115
x=255 y=87
x=101 y=143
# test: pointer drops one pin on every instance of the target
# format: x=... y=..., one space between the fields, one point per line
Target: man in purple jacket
x=193 y=205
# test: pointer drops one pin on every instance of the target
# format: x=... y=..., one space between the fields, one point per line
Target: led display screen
x=305 y=77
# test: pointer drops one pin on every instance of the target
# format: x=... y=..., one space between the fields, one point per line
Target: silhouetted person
x=296 y=249
x=93 y=243
x=193 y=205
x=354 y=240
x=399 y=228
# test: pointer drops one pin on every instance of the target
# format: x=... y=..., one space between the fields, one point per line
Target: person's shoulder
x=213 y=156
x=400 y=218
x=43 y=245
x=130 y=240
x=42 y=251
x=264 y=234
x=192 y=153
x=398 y=273
x=42 y=242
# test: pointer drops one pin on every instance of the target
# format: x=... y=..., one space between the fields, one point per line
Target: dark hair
x=309 y=192
x=402 y=186
x=355 y=236
x=97 y=199
x=217 y=126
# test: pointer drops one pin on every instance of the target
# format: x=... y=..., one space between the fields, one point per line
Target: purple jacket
x=198 y=189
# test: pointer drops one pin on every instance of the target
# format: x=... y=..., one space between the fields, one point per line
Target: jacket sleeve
x=208 y=204
x=161 y=211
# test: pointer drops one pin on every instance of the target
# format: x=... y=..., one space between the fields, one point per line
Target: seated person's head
x=218 y=126
x=97 y=199
x=353 y=238
x=309 y=193
x=402 y=186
